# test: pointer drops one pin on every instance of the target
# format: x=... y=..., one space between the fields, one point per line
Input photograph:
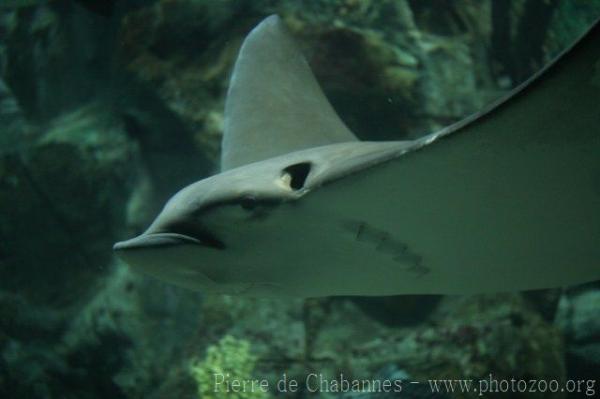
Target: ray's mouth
x=154 y=240
x=196 y=233
x=177 y=234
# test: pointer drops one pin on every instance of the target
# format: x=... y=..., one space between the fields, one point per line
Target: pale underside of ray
x=274 y=104
x=506 y=200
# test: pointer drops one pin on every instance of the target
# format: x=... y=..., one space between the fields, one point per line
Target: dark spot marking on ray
x=419 y=269
x=383 y=242
x=368 y=234
x=389 y=246
x=407 y=257
x=359 y=231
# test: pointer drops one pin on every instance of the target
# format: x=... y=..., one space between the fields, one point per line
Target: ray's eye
x=249 y=203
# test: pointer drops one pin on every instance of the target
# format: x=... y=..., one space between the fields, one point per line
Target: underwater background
x=108 y=108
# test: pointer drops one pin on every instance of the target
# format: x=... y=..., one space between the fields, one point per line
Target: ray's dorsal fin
x=274 y=104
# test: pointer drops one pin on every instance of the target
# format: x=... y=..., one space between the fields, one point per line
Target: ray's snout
x=167 y=256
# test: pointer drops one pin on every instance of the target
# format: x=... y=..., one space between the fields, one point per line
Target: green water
x=108 y=109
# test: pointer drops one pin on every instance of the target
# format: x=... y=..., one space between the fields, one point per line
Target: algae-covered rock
x=63 y=204
x=186 y=49
x=479 y=337
x=72 y=322
x=57 y=56
x=227 y=370
x=63 y=197
x=578 y=317
x=392 y=69
x=386 y=78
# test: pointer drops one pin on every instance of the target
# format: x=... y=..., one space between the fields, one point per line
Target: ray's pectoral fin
x=383 y=243
x=275 y=105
